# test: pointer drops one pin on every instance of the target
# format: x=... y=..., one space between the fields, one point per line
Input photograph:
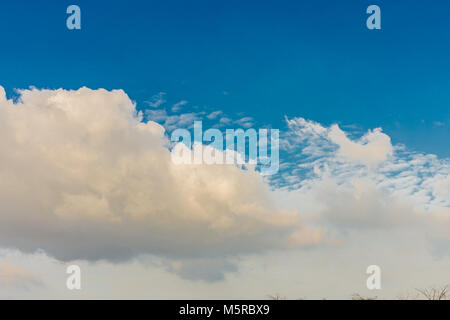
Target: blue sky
x=313 y=59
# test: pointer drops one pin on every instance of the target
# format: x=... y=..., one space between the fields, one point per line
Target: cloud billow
x=82 y=176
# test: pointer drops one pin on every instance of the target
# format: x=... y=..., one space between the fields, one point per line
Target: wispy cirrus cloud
x=157 y=100
x=177 y=106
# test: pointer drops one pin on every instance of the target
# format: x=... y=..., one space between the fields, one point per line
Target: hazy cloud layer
x=16 y=276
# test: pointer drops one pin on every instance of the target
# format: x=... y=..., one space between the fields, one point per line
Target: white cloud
x=172 y=122
x=372 y=149
x=157 y=100
x=214 y=115
x=245 y=122
x=225 y=120
x=441 y=187
x=177 y=106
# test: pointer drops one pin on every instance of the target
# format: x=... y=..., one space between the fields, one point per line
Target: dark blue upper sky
x=315 y=59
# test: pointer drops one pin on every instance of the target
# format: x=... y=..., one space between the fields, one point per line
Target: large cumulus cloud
x=83 y=177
